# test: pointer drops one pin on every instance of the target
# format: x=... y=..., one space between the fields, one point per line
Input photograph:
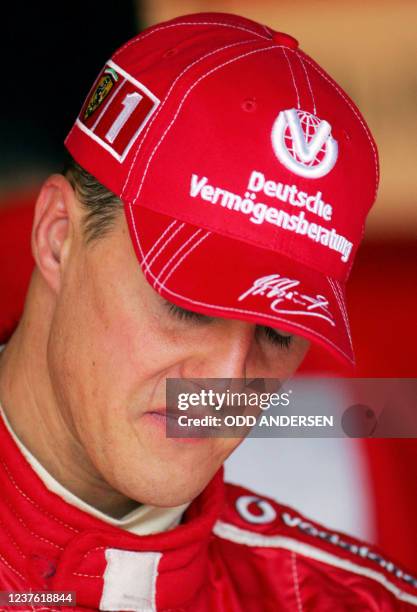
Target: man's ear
x=56 y=213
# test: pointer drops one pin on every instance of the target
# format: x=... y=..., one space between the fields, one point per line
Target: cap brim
x=220 y=276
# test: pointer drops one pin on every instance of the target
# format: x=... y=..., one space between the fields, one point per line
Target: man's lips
x=167 y=420
x=163 y=416
x=164 y=412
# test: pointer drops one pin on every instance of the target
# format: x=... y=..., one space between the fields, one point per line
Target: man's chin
x=168 y=499
x=169 y=489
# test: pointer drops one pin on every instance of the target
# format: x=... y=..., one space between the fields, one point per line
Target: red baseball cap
x=245 y=171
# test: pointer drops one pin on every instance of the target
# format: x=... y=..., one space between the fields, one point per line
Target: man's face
x=114 y=341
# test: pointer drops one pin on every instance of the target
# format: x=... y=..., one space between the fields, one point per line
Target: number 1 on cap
x=129 y=103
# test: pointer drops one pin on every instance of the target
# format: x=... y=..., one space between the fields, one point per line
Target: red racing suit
x=235 y=551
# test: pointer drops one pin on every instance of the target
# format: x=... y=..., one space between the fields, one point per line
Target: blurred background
x=52 y=53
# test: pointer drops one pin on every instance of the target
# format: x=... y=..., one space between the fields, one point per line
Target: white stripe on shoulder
x=232 y=533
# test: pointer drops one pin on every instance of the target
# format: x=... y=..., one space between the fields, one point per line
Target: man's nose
x=225 y=353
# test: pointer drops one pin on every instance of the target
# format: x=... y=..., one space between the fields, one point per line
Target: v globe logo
x=303 y=143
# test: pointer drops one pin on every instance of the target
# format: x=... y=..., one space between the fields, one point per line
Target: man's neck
x=30 y=405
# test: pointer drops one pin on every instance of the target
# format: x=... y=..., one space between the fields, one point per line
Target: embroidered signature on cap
x=282 y=290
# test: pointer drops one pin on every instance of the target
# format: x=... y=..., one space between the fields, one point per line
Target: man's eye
x=275 y=337
x=187 y=315
x=272 y=335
